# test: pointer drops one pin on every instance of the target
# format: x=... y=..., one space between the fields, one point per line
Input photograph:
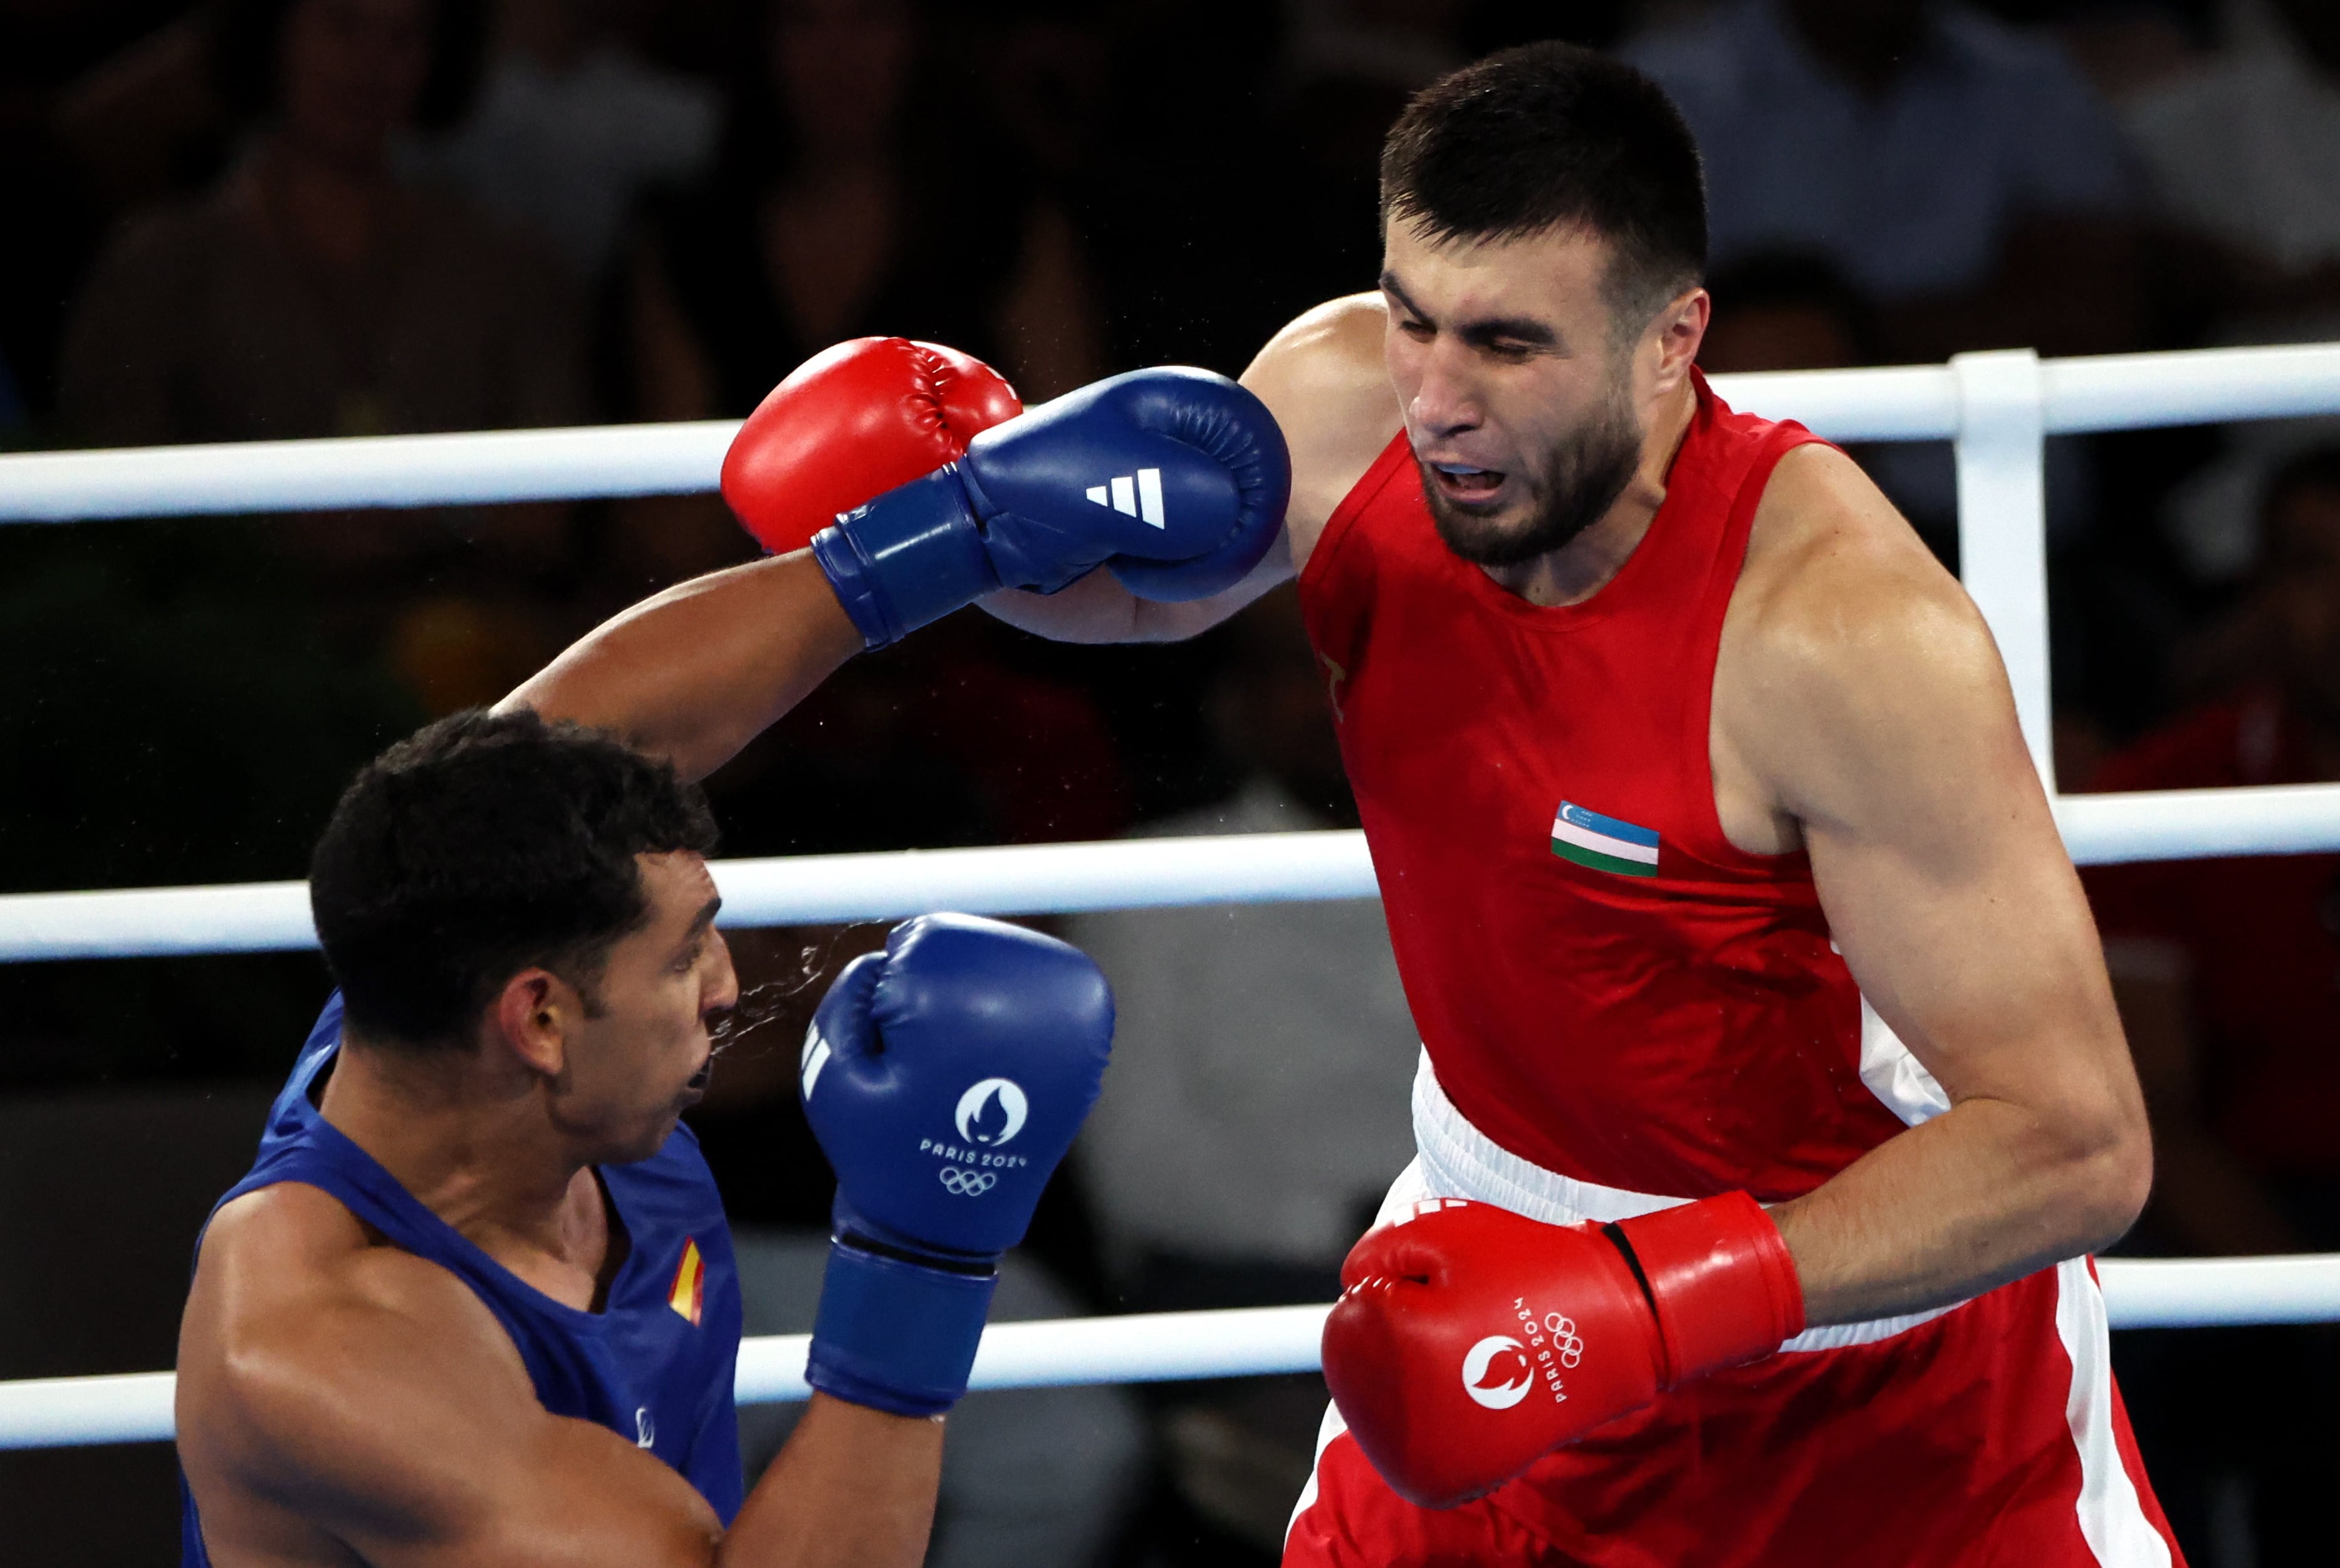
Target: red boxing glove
x=852 y=422
x=1469 y=1341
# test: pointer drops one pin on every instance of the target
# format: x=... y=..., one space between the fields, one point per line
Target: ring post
x=2003 y=524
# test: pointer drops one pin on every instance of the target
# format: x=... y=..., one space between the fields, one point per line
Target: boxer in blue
x=473 y=1305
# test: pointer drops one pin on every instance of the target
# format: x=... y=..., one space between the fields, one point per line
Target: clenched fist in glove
x=1469 y=1342
x=854 y=422
x=945 y=1079
x=1174 y=479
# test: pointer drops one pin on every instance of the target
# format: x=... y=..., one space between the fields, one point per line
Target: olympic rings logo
x=966 y=1182
x=1565 y=1342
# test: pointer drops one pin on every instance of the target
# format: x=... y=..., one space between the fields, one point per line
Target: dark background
x=1069 y=190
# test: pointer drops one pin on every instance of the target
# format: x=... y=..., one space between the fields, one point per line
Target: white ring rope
x=1160 y=1347
x=1065 y=878
x=1905 y=403
x=1901 y=403
x=475 y=468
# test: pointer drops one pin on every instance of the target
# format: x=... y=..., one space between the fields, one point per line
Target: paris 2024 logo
x=1499 y=1370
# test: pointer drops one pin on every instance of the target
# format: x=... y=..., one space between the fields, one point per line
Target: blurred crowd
x=232 y=220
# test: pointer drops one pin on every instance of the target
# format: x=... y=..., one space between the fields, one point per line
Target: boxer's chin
x=1493 y=535
x=1566 y=491
x=1549 y=513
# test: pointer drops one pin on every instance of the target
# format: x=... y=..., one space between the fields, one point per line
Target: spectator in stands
x=316 y=293
x=1258 y=1105
x=829 y=216
x=2224 y=971
x=2224 y=968
x=2245 y=151
x=1785 y=310
x=1348 y=68
x=148 y=119
x=1963 y=175
x=2243 y=160
x=2125 y=46
x=572 y=124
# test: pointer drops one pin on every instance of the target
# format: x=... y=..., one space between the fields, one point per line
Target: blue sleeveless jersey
x=655 y=1365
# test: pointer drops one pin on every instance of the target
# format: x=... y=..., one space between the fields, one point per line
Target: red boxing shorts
x=1990 y=1433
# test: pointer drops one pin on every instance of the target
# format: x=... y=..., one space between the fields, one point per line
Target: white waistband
x=1456 y=1159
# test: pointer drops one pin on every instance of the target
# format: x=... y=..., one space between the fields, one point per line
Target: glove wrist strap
x=864 y=1240
x=1720 y=1280
x=909 y=557
x=896 y=1336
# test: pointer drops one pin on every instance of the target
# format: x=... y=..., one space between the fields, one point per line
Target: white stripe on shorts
x=2112 y=1518
x=1456 y=1159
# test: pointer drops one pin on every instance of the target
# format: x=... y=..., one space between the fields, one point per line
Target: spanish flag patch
x=689 y=1295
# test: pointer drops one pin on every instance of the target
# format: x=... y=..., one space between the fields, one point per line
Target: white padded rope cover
x=1904 y=403
x=1996 y=409
x=1063 y=879
x=58 y=1412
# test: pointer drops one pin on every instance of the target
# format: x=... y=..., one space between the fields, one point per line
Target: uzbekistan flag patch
x=1603 y=843
x=688 y=1296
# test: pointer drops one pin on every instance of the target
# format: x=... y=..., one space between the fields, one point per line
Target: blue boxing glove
x=945 y=1079
x=1175 y=479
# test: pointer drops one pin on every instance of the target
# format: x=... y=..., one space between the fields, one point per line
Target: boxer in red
x=1772 y=1097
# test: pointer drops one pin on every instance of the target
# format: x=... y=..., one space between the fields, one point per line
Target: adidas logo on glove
x=1137 y=495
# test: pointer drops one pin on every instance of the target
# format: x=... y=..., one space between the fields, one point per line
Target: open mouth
x=696 y=1083
x=1464 y=484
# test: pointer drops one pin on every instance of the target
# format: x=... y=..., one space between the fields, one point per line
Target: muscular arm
x=1099 y=608
x=695 y=673
x=357 y=1401
x=1868 y=698
x=1322 y=379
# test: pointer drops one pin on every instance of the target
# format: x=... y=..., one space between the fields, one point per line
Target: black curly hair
x=482 y=845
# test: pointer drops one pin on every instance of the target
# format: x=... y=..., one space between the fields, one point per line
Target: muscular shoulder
x=1323 y=377
x=1851 y=652
x=340 y=1399
x=297 y=1318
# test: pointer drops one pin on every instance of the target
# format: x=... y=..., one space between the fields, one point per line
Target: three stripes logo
x=1603 y=843
x=1137 y=495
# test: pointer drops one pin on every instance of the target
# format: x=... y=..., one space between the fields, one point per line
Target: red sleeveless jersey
x=1604 y=985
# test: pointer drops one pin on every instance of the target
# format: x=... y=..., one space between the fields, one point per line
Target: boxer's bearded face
x=1564 y=489
x=1518 y=397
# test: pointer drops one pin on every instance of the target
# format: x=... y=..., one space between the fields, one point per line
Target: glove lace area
x=1633 y=1262
x=974 y=1267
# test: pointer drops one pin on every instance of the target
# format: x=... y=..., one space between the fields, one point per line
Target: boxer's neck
x=474 y=1146
x=1587 y=563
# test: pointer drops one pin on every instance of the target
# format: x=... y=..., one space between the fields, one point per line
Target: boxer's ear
x=1675 y=334
x=533 y=1022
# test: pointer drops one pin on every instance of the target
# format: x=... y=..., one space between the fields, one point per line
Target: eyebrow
x=700 y=922
x=1481 y=332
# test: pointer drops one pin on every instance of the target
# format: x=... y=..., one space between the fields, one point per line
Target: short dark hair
x=247 y=40
x=1551 y=136
x=482 y=845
